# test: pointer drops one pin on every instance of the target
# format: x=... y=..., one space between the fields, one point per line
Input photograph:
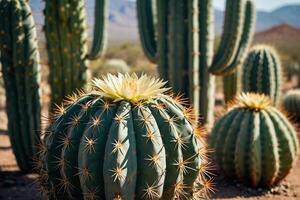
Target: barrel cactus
x=254 y=142
x=20 y=69
x=124 y=140
x=262 y=73
x=291 y=103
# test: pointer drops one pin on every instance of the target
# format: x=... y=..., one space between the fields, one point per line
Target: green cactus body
x=65 y=29
x=261 y=73
x=231 y=82
x=147 y=27
x=123 y=140
x=291 y=103
x=254 y=142
x=185 y=46
x=20 y=68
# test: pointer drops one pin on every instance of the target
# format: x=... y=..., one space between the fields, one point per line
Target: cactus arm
x=149 y=147
x=229 y=144
x=231 y=36
x=100 y=29
x=90 y=162
x=206 y=80
x=121 y=168
x=246 y=38
x=162 y=37
x=286 y=153
x=146 y=28
x=55 y=145
x=53 y=48
x=8 y=71
x=77 y=38
x=173 y=175
x=31 y=78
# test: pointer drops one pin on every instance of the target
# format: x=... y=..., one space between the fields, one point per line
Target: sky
x=267 y=5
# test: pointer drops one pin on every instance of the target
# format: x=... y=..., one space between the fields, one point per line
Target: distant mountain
x=281 y=34
x=123 y=23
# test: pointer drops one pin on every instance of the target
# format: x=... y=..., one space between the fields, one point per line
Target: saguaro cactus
x=291 y=103
x=20 y=68
x=254 y=142
x=262 y=73
x=124 y=140
x=65 y=28
x=184 y=43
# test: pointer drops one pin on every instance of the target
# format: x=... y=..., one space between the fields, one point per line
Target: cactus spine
x=20 y=68
x=291 y=103
x=231 y=82
x=101 y=143
x=254 y=142
x=262 y=73
x=185 y=47
x=65 y=28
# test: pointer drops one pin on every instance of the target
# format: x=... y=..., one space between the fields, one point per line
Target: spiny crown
x=128 y=87
x=253 y=101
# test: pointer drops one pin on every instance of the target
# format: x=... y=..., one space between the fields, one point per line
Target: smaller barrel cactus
x=124 y=140
x=261 y=73
x=254 y=142
x=291 y=103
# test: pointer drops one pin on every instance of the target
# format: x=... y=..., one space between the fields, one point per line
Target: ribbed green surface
x=110 y=150
x=66 y=36
x=145 y=16
x=20 y=68
x=258 y=147
x=261 y=73
x=100 y=29
x=231 y=37
x=291 y=103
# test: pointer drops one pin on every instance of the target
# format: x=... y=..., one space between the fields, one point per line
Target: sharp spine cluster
x=20 y=68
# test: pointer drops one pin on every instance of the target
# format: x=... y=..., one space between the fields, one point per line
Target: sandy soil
x=17 y=186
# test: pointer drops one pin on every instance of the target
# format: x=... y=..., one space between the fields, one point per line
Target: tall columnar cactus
x=124 y=140
x=231 y=82
x=20 y=68
x=254 y=142
x=262 y=73
x=184 y=45
x=291 y=103
x=65 y=28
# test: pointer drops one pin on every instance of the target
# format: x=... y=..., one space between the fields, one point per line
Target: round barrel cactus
x=262 y=73
x=125 y=139
x=254 y=142
x=291 y=103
